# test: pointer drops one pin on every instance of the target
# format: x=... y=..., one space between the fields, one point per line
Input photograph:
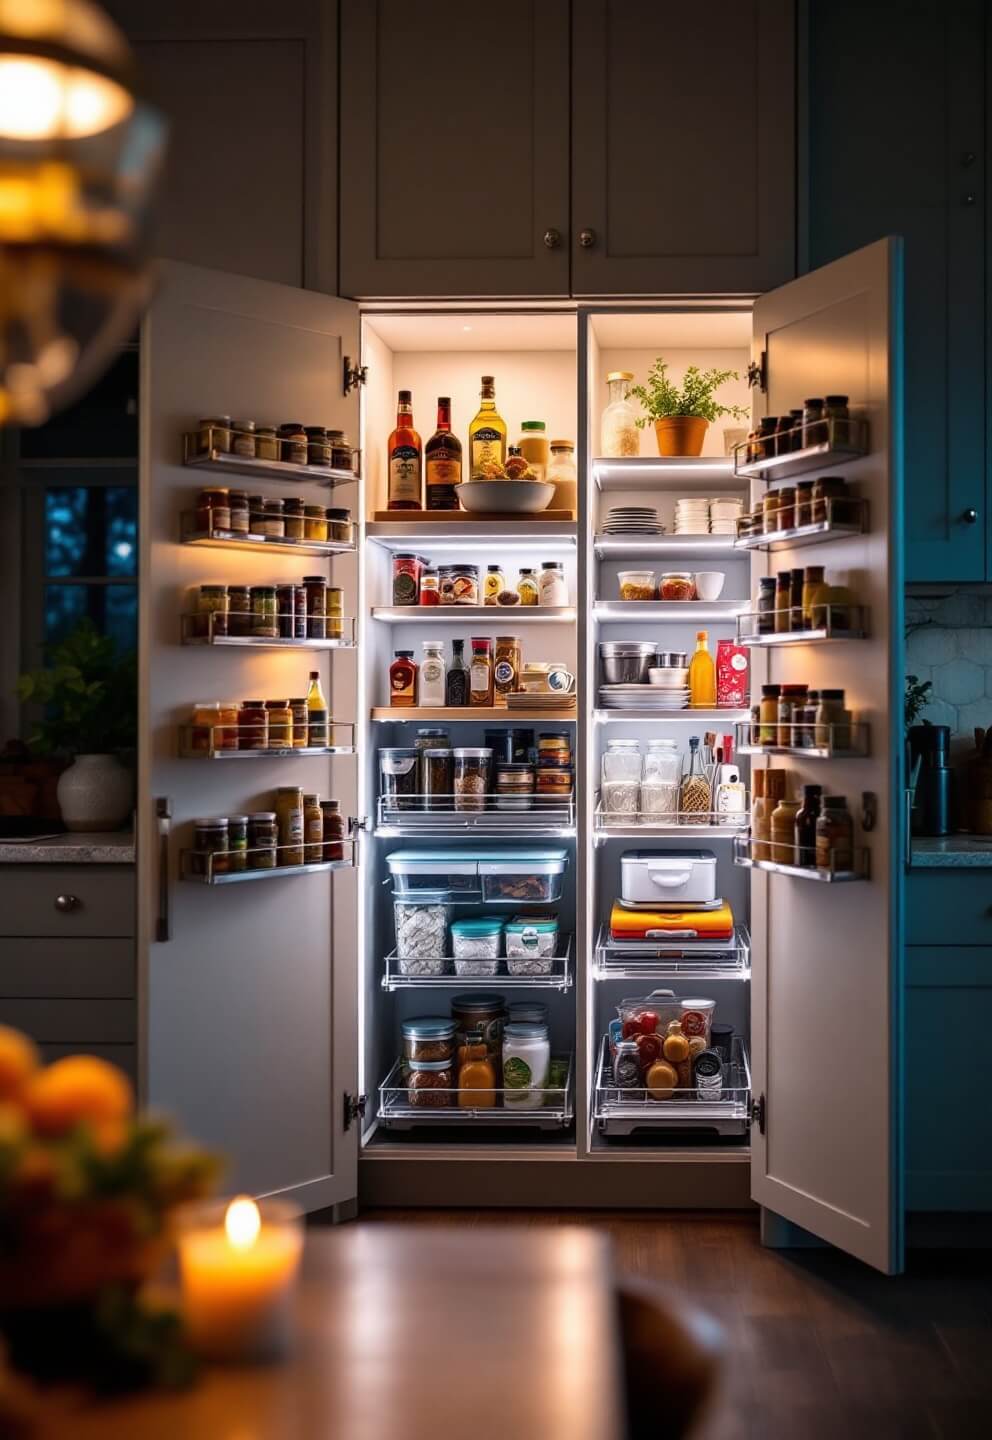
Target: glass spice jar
x=313 y=830
x=815 y=429
x=210 y=847
x=213 y=509
x=335 y=612
x=289 y=820
x=765 y=444
x=262 y=840
x=280 y=718
x=430 y=1083
x=299 y=612
x=838 y=418
x=787 y=507
x=783 y=435
x=828 y=493
x=429 y=592
x=243 y=438
x=339 y=526
x=318 y=446
x=437 y=766
x=316 y=588
x=292 y=509
x=315 y=523
x=333 y=831
x=273 y=519
x=514 y=786
x=264 y=618
x=783 y=602
x=238 y=502
x=253 y=725
x=792 y=698
x=285 y=603
x=239 y=610
x=834 y=835
x=292 y=443
x=342 y=455
x=471 y=777
x=256 y=515
x=769 y=512
x=237 y=842
x=766 y=605
x=783 y=832
x=215 y=434
x=804 y=502
x=768 y=715
x=301 y=719
x=212 y=611
x=266 y=443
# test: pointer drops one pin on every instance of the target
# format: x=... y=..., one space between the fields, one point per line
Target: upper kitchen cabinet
x=889 y=156
x=250 y=91
x=454 y=147
x=683 y=147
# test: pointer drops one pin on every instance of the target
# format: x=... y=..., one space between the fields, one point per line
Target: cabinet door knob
x=968 y=199
x=970 y=516
x=65 y=903
x=552 y=239
x=587 y=238
x=969 y=157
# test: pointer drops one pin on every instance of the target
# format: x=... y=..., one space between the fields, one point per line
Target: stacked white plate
x=642 y=697
x=522 y=700
x=724 y=515
x=632 y=520
x=692 y=516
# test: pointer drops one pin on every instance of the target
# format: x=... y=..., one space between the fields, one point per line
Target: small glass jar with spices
x=243 y=438
x=266 y=443
x=829 y=495
x=480 y=674
x=814 y=427
x=315 y=522
x=783 y=436
x=213 y=509
x=335 y=612
x=514 y=785
x=333 y=834
x=214 y=726
x=796 y=618
x=318 y=445
x=786 y=518
x=316 y=588
x=438 y=770
x=768 y=715
x=239 y=610
x=292 y=443
x=262 y=839
x=298 y=710
x=783 y=832
x=834 y=835
x=289 y=818
x=264 y=615
x=342 y=455
x=253 y=725
x=238 y=502
x=554 y=749
x=471 y=777
x=506 y=668
x=237 y=842
x=211 y=854
x=313 y=830
x=838 y=416
x=429 y=591
x=299 y=612
x=339 y=525
x=430 y=1084
x=769 y=512
x=285 y=609
x=527 y=588
x=832 y=730
x=783 y=602
x=765 y=615
x=791 y=700
x=765 y=442
x=292 y=509
x=211 y=611
x=273 y=519
x=256 y=515
x=280 y=724
x=553 y=783
x=214 y=433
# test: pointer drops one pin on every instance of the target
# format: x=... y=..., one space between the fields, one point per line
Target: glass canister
x=315 y=522
x=237 y=842
x=399 y=777
x=239 y=609
x=318 y=445
x=292 y=509
x=274 y=519
x=661 y=779
x=264 y=616
x=563 y=475
x=621 y=781
x=262 y=840
x=211 y=610
x=266 y=444
x=514 y=786
x=437 y=770
x=619 y=435
x=243 y=438
x=210 y=853
x=316 y=588
x=253 y=725
x=471 y=778
x=280 y=718
x=292 y=443
x=430 y=1083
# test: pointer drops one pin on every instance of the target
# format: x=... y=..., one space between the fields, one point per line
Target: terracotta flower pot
x=681 y=434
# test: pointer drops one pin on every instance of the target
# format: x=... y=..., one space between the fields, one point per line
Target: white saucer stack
x=692 y=516
x=632 y=520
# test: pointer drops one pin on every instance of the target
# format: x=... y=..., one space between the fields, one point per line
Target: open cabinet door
x=827 y=957
x=249 y=1004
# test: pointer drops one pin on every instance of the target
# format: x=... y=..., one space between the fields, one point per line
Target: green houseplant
x=89 y=694
x=681 y=415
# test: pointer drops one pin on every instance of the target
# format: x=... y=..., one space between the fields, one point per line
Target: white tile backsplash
x=949 y=642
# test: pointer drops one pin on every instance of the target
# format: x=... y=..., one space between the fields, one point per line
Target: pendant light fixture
x=79 y=156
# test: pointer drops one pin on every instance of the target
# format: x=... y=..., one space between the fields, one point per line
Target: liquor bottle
x=316 y=712
x=443 y=461
x=456 y=680
x=702 y=674
x=406 y=460
x=487 y=433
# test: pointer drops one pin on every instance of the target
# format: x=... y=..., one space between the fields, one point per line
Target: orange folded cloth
x=681 y=924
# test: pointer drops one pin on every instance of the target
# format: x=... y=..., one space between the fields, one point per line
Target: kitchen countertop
x=950 y=851
x=109 y=847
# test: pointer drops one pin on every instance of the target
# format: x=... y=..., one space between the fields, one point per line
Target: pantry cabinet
x=663 y=163
x=889 y=155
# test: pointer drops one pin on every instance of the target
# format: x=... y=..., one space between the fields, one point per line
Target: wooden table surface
x=413 y=1334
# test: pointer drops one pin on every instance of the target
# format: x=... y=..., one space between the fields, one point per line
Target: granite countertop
x=950 y=851
x=74 y=848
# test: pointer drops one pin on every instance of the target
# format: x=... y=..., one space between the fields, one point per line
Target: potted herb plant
x=681 y=415
x=89 y=695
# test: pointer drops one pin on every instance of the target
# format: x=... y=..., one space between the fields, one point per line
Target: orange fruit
x=13 y=1124
x=18 y=1061
x=75 y=1090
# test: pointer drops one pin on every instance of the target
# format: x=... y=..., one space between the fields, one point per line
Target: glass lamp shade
x=79 y=157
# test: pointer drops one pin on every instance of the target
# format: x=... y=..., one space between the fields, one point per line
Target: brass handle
x=587 y=238
x=552 y=239
x=970 y=516
x=65 y=903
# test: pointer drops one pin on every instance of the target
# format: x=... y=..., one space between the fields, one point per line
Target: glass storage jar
x=531 y=944
x=514 y=786
x=485 y=1013
x=476 y=945
x=292 y=509
x=430 y=1083
x=253 y=725
x=422 y=936
x=211 y=611
x=210 y=853
x=273 y=519
x=280 y=724
x=238 y=501
x=237 y=842
x=342 y=451
x=262 y=836
x=618 y=433
x=318 y=445
x=660 y=781
x=399 y=777
x=834 y=835
x=783 y=832
x=292 y=443
x=243 y=438
x=316 y=588
x=215 y=434
x=526 y=1061
x=213 y=509
x=239 y=610
x=471 y=779
x=266 y=444
x=315 y=522
x=621 y=781
x=339 y=526
x=437 y=768
x=563 y=475
x=264 y=616
x=406 y=577
x=428 y=1037
x=551 y=587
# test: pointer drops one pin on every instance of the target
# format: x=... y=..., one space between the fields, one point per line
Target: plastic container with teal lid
x=531 y=944
x=428 y=1037
x=476 y=946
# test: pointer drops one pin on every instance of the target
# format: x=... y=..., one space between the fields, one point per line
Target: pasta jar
x=551 y=587
x=264 y=615
x=262 y=834
x=406 y=577
x=211 y=611
x=506 y=668
x=514 y=786
x=292 y=509
x=292 y=443
x=430 y=1083
x=210 y=854
x=253 y=725
x=471 y=777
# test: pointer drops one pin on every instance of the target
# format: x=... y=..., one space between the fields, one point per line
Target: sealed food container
x=514 y=786
x=211 y=852
x=526 y=1061
x=554 y=783
x=637 y=585
x=531 y=944
x=428 y=1037
x=430 y=1083
x=677 y=585
x=437 y=771
x=481 y=1013
x=696 y=1018
x=526 y=876
x=472 y=765
x=476 y=946
x=458 y=584
x=262 y=839
x=554 y=748
x=670 y=877
x=406 y=577
x=422 y=936
x=444 y=872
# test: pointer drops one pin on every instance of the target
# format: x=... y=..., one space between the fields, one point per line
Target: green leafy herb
x=661 y=398
x=918 y=696
x=90 y=695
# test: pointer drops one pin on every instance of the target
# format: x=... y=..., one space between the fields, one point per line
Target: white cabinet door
x=250 y=1006
x=826 y=998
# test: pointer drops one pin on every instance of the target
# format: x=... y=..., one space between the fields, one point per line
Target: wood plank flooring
x=820 y=1347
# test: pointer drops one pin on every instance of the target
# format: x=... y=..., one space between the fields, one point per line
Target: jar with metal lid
x=554 y=747
x=213 y=509
x=791 y=700
x=238 y=504
x=814 y=428
x=342 y=454
x=213 y=727
x=406 y=577
x=833 y=723
x=430 y=592
x=437 y=768
x=553 y=784
x=243 y=438
x=266 y=443
x=769 y=512
x=804 y=502
x=273 y=519
x=783 y=436
x=318 y=446
x=765 y=442
x=333 y=831
x=292 y=443
x=301 y=718
x=289 y=818
x=264 y=616
x=768 y=713
x=430 y=1083
x=253 y=725
x=211 y=610
x=210 y=847
x=426 y=1037
x=299 y=612
x=237 y=842
x=262 y=833
x=783 y=602
x=506 y=668
x=215 y=434
x=280 y=724
x=471 y=777
x=339 y=525
x=834 y=835
x=514 y=786
x=335 y=613
x=787 y=507
x=806 y=721
x=285 y=610
x=313 y=830
x=485 y=1012
x=626 y=1066
x=527 y=590
x=837 y=414
x=256 y=515
x=315 y=522
x=526 y=1061
x=316 y=588
x=829 y=492
x=551 y=586
x=766 y=605
x=292 y=509
x=432 y=737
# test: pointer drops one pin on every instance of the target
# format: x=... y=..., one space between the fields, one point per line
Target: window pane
x=91 y=530
x=65 y=606
x=112 y=608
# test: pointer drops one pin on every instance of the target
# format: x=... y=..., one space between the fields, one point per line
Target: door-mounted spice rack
x=801 y=449
x=196 y=528
x=836 y=622
x=224 y=867
x=212 y=628
x=233 y=742
x=490 y=814
x=845 y=741
x=745 y=845
x=438 y=973
x=209 y=449
x=845 y=516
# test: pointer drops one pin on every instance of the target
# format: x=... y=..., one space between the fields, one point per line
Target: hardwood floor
x=819 y=1346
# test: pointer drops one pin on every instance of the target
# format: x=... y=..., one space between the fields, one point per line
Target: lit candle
x=238 y=1265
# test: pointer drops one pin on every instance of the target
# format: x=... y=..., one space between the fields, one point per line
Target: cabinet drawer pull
x=587 y=238
x=65 y=903
x=552 y=239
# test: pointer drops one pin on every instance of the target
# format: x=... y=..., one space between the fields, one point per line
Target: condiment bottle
x=432 y=673
x=313 y=829
x=289 y=819
x=527 y=588
x=403 y=679
x=834 y=835
x=768 y=715
x=766 y=605
x=406 y=459
x=806 y=818
x=333 y=823
x=783 y=825
x=762 y=811
x=493 y=586
x=317 y=732
x=702 y=674
x=783 y=602
x=456 y=680
x=480 y=693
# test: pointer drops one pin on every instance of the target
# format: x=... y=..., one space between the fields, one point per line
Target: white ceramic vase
x=95 y=793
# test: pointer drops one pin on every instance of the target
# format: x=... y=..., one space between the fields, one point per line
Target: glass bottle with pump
x=406 y=459
x=443 y=461
x=487 y=433
x=317 y=731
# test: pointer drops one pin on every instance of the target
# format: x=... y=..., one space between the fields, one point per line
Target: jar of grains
x=430 y=1083
x=471 y=779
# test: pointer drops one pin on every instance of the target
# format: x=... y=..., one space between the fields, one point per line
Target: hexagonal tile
x=938 y=712
x=932 y=645
x=959 y=681
x=977 y=712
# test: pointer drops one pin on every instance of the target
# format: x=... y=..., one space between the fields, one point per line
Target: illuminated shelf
x=421 y=714
x=669 y=612
x=663 y=472
x=464 y=614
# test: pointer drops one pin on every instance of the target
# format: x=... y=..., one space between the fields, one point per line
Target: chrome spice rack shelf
x=743 y=855
x=207 y=629
x=845 y=516
x=441 y=815
x=621 y=1112
x=202 y=451
x=559 y=976
x=554 y=1109
x=803 y=449
x=837 y=622
x=672 y=960
x=225 y=742
x=215 y=867
x=848 y=741
x=194 y=532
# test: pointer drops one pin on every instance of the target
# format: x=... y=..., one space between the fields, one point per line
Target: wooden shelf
x=421 y=714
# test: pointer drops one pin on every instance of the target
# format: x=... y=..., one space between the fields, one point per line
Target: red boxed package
x=733 y=687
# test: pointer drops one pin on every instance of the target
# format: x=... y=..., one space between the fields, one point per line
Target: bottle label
x=404 y=473
x=316 y=726
x=431 y=672
x=479 y=677
x=504 y=674
x=444 y=472
x=487 y=448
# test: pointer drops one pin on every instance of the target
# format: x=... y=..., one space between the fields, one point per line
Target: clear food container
x=476 y=945
x=448 y=874
x=428 y=1037
x=422 y=936
x=531 y=944
x=637 y=584
x=527 y=877
x=678 y=585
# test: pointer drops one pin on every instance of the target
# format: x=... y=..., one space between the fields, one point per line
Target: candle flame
x=242 y=1222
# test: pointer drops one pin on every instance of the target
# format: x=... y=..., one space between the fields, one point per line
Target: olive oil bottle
x=487 y=433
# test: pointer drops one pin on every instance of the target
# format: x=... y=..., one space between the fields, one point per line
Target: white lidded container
x=526 y=1061
x=668 y=877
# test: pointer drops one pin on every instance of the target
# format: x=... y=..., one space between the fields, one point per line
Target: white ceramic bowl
x=709 y=584
x=520 y=497
x=668 y=679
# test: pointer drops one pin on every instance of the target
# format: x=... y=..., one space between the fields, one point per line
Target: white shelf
x=473 y=614
x=713 y=474
x=671 y=612
x=459 y=536
x=689 y=716
x=670 y=547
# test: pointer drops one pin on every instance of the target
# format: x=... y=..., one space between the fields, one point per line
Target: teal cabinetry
x=895 y=119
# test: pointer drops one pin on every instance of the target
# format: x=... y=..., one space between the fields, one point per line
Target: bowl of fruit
x=512 y=488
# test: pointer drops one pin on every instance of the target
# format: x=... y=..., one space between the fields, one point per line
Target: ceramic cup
x=709 y=584
x=544 y=677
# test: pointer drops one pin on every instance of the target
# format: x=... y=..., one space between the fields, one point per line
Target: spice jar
x=783 y=831
x=806 y=818
x=335 y=612
x=430 y=1083
x=253 y=725
x=215 y=434
x=211 y=611
x=806 y=721
x=289 y=818
x=266 y=444
x=626 y=1066
x=262 y=833
x=243 y=438
x=315 y=522
x=427 y=1038
x=429 y=593
x=783 y=436
x=766 y=799
x=264 y=615
x=213 y=509
x=205 y=730
x=833 y=723
x=787 y=507
x=299 y=612
x=769 y=512
x=551 y=587
x=280 y=718
x=406 y=577
x=804 y=503
x=554 y=783
x=766 y=605
x=316 y=588
x=437 y=765
x=514 y=786
x=300 y=718
x=480 y=675
x=339 y=526
x=471 y=777
x=318 y=445
x=273 y=519
x=506 y=668
x=210 y=847
x=403 y=679
x=237 y=842
x=834 y=835
x=791 y=699
x=527 y=588
x=829 y=493
x=783 y=602
x=493 y=586
x=765 y=444
x=768 y=715
x=333 y=831
x=292 y=509
x=814 y=428
x=285 y=610
x=796 y=617
x=838 y=417
x=292 y=443
x=485 y=1013
x=313 y=830
x=256 y=515
x=342 y=454
x=554 y=748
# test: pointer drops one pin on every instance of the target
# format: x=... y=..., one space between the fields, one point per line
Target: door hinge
x=358 y=822
x=354 y=1108
x=757 y=373
x=758 y=1113
x=354 y=375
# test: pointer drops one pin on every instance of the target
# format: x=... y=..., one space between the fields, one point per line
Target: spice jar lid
x=532 y=425
x=708 y=1063
x=562 y=444
x=514 y=767
x=619 y=375
x=483 y=1003
x=212 y=822
x=439 y=754
x=474 y=752
x=836 y=399
x=263 y=817
x=244 y=424
x=428 y=1027
x=295 y=425
x=525 y=1030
